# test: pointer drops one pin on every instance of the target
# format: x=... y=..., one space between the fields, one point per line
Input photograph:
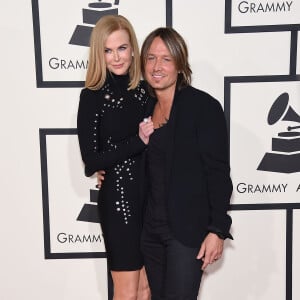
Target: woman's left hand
x=146 y=129
x=100 y=178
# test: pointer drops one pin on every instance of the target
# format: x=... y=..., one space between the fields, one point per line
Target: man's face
x=160 y=69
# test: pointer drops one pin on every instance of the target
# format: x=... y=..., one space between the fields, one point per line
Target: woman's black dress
x=107 y=126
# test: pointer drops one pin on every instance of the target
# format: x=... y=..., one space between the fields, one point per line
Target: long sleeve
x=215 y=156
x=93 y=155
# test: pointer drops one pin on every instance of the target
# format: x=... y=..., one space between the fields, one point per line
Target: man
x=189 y=185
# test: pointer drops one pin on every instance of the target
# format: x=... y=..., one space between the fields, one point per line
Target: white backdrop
x=244 y=53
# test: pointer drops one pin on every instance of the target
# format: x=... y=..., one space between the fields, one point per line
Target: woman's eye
x=107 y=51
x=122 y=48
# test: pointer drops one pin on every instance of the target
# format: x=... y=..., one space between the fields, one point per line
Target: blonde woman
x=112 y=104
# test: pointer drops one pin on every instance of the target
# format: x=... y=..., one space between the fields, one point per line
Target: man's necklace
x=165 y=119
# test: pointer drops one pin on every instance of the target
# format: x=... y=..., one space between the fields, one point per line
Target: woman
x=186 y=219
x=111 y=106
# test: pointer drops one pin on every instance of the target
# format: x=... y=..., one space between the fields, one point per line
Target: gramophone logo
x=90 y=16
x=285 y=154
x=89 y=211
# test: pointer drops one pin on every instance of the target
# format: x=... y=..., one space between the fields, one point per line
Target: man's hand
x=211 y=250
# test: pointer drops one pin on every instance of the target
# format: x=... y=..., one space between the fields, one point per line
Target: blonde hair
x=96 y=72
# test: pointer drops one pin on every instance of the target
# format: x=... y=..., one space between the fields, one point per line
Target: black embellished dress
x=107 y=124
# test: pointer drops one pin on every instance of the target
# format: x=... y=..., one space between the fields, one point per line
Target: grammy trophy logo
x=89 y=211
x=96 y=10
x=285 y=154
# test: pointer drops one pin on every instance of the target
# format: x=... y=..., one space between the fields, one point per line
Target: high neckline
x=119 y=81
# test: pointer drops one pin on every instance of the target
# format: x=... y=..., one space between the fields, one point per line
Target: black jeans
x=172 y=268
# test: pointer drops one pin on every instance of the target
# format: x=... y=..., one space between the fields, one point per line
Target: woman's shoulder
x=143 y=83
x=140 y=92
x=90 y=98
x=88 y=92
x=142 y=86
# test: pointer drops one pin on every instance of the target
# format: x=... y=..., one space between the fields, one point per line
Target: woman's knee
x=125 y=285
x=144 y=293
x=124 y=294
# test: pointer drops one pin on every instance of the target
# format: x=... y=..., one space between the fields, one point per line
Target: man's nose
x=157 y=64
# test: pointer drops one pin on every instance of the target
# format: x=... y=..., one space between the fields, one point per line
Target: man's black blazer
x=198 y=173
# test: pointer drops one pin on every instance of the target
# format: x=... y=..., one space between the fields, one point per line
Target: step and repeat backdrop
x=244 y=53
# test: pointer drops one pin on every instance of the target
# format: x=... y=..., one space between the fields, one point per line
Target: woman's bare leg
x=126 y=284
x=130 y=285
x=143 y=289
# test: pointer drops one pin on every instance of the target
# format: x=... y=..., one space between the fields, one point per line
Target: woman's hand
x=100 y=178
x=146 y=128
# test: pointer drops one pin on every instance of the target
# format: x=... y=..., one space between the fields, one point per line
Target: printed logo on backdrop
x=285 y=153
x=259 y=16
x=264 y=116
x=70 y=212
x=62 y=31
x=90 y=17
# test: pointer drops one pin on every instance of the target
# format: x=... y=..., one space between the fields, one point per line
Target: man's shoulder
x=199 y=98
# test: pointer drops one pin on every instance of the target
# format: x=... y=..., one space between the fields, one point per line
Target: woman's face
x=160 y=69
x=118 y=52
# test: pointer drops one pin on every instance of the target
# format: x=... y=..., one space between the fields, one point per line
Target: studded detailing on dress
x=113 y=101
x=124 y=171
x=108 y=121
